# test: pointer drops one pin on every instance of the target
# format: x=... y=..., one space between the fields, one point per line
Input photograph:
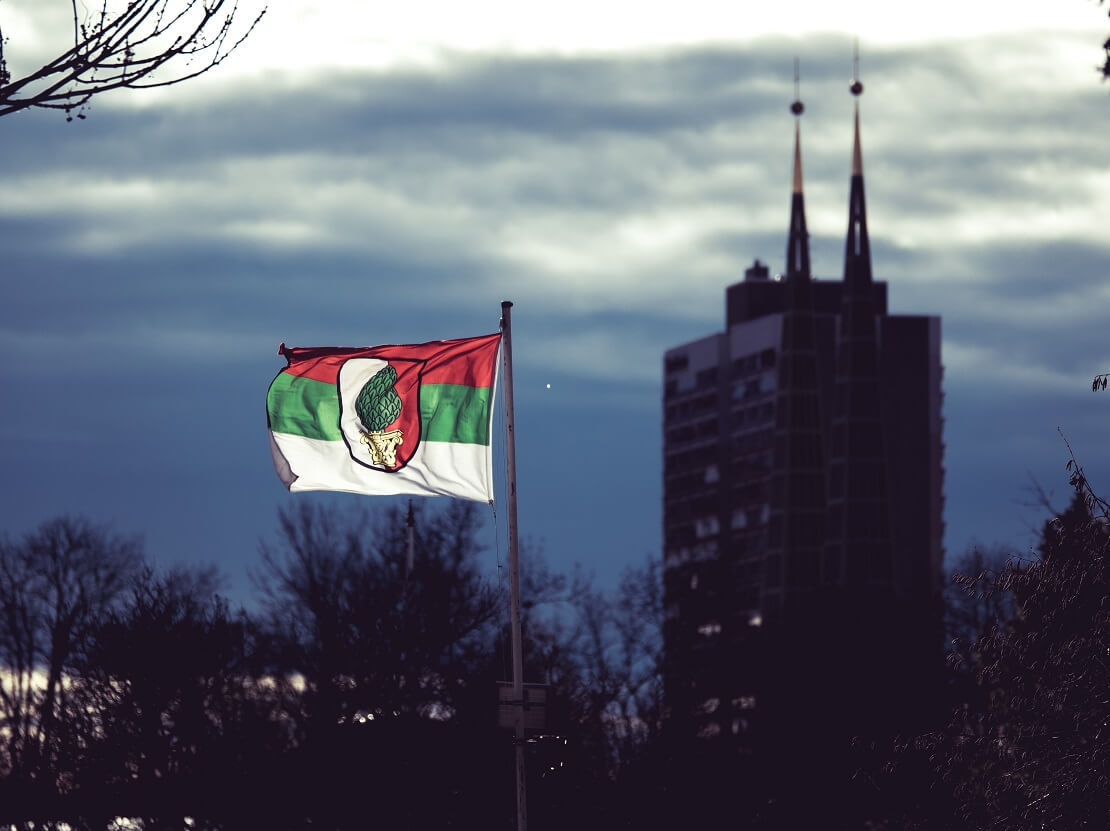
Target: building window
x=707 y=428
x=704 y=404
x=774 y=531
x=677 y=363
x=707 y=526
x=831 y=573
x=744 y=366
x=804 y=565
x=677 y=557
x=709 y=730
x=703 y=551
x=772 y=570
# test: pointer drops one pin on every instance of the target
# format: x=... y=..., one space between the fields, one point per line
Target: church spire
x=859 y=552
x=857 y=247
x=797 y=509
x=797 y=244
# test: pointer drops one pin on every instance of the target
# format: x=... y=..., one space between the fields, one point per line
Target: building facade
x=803 y=475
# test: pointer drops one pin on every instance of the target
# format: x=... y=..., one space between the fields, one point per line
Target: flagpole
x=410 y=521
x=514 y=565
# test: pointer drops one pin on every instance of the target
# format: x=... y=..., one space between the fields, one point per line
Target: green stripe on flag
x=455 y=413
x=304 y=407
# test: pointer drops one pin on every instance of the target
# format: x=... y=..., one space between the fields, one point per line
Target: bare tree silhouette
x=974 y=603
x=55 y=585
x=614 y=647
x=135 y=44
x=365 y=640
x=126 y=692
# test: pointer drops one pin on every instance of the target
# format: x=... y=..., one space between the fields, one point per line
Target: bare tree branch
x=123 y=45
x=1105 y=68
x=1096 y=505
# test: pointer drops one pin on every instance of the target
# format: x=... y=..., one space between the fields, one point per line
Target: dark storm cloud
x=154 y=257
x=470 y=103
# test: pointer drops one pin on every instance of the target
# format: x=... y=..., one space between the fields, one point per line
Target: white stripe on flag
x=436 y=469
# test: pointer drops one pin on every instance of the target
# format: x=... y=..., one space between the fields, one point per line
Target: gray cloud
x=154 y=256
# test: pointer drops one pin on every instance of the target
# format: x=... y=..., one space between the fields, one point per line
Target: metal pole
x=409 y=554
x=514 y=565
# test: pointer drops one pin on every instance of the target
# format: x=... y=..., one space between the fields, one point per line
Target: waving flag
x=386 y=419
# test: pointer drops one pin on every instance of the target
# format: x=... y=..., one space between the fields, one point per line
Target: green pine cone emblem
x=378 y=404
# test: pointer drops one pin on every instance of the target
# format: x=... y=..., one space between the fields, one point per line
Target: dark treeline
x=355 y=695
x=359 y=695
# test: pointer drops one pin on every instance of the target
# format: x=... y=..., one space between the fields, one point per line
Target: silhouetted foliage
x=1039 y=755
x=181 y=711
x=1026 y=743
x=119 y=44
x=1026 y=746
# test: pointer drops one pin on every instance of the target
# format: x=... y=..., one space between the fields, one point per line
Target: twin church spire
x=857 y=252
x=828 y=513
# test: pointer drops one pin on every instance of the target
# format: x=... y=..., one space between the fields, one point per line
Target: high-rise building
x=802 y=464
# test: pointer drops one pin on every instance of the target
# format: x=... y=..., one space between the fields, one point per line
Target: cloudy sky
x=359 y=174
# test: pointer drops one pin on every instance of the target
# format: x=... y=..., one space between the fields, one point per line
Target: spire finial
x=856 y=87
x=797 y=107
x=797 y=245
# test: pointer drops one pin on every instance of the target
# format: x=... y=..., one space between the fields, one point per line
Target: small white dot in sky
x=549 y=386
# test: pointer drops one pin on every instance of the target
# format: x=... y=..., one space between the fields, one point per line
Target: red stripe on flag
x=468 y=361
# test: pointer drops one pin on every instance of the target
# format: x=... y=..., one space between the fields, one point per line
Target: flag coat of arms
x=413 y=419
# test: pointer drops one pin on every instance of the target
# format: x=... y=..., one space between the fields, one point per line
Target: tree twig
x=125 y=48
